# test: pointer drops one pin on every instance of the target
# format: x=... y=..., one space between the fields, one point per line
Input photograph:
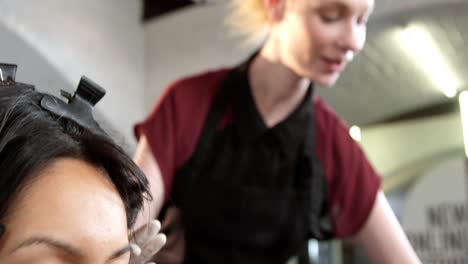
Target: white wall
x=193 y=40
x=101 y=39
x=394 y=146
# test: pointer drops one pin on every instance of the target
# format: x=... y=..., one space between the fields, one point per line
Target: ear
x=275 y=9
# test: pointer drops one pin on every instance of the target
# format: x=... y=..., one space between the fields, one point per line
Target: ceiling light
x=422 y=48
x=355 y=133
x=463 y=99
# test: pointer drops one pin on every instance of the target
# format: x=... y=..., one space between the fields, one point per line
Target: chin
x=319 y=77
x=325 y=80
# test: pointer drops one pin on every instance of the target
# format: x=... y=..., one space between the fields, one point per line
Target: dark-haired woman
x=68 y=193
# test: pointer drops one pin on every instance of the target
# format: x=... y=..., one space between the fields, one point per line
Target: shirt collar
x=298 y=126
x=249 y=122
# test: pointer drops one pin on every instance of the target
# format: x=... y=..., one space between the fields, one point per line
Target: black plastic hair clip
x=79 y=107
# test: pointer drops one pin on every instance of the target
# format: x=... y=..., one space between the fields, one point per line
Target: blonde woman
x=255 y=163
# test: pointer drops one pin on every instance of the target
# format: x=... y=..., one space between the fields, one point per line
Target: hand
x=146 y=242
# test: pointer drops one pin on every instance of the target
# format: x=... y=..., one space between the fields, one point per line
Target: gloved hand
x=146 y=242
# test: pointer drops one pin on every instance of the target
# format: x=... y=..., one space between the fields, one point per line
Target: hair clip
x=7 y=73
x=79 y=106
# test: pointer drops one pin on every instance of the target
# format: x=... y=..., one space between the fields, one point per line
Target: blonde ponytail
x=248 y=18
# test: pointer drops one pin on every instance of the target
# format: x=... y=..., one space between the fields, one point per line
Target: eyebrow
x=334 y=4
x=343 y=5
x=67 y=248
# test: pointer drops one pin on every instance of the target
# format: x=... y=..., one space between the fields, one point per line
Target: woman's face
x=69 y=213
x=317 y=38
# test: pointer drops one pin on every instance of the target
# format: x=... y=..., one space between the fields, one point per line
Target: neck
x=276 y=89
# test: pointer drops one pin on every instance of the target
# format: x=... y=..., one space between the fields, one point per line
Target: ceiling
x=383 y=82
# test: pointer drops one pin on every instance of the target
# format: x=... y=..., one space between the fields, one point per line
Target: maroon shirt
x=175 y=124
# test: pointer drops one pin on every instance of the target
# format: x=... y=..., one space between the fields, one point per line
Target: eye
x=329 y=19
x=330 y=15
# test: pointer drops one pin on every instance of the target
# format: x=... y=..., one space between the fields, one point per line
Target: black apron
x=231 y=214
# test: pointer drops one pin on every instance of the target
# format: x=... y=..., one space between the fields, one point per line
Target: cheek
x=310 y=39
x=296 y=40
x=322 y=37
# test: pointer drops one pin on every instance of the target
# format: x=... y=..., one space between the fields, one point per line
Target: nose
x=353 y=37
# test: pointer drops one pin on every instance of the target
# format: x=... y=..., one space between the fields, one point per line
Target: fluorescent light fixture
x=463 y=99
x=355 y=133
x=422 y=48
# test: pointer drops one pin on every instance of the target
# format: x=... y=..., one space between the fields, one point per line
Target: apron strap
x=217 y=110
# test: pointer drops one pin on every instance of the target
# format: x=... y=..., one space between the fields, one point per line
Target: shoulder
x=176 y=121
x=190 y=101
x=197 y=86
x=184 y=96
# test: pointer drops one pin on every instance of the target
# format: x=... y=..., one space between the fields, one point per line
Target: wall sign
x=435 y=215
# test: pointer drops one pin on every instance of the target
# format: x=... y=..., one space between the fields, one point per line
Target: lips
x=332 y=65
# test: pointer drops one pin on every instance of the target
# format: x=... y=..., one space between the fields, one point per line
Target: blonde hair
x=248 y=18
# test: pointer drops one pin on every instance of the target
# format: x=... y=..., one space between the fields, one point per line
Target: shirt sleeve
x=160 y=130
x=352 y=181
x=174 y=125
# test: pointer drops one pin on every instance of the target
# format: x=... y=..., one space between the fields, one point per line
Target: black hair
x=31 y=137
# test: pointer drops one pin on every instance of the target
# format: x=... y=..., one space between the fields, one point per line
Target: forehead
x=73 y=201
